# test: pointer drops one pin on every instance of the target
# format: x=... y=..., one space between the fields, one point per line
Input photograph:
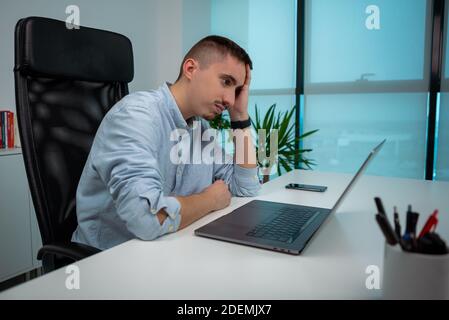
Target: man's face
x=215 y=87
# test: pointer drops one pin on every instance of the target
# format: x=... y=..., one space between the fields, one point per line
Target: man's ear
x=189 y=68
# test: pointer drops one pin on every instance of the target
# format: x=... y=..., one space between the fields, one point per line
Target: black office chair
x=65 y=82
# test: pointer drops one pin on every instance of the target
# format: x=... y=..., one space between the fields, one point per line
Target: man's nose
x=229 y=99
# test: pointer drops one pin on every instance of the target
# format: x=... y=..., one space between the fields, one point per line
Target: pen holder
x=408 y=275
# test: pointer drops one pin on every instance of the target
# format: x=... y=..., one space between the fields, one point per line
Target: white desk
x=183 y=266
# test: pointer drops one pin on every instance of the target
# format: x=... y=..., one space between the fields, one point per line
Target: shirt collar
x=173 y=108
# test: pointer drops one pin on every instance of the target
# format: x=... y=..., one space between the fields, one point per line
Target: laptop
x=276 y=226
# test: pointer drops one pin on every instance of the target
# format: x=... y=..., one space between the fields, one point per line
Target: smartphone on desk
x=306 y=187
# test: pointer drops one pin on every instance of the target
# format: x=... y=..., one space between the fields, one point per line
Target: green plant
x=221 y=121
x=287 y=151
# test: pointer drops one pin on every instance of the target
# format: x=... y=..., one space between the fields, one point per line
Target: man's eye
x=226 y=82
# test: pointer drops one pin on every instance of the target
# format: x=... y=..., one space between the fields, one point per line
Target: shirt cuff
x=170 y=225
x=170 y=205
x=246 y=175
x=246 y=181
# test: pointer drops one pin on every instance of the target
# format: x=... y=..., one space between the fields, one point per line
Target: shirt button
x=170 y=228
x=153 y=211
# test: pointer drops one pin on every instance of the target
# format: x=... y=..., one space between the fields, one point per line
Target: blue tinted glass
x=378 y=40
x=352 y=124
x=442 y=158
x=267 y=30
x=442 y=129
x=229 y=18
x=340 y=47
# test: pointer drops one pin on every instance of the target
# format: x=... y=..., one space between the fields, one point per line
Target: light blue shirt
x=129 y=177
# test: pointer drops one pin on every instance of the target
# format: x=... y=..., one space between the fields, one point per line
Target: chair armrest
x=71 y=250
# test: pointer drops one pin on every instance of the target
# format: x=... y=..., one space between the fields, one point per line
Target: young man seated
x=131 y=187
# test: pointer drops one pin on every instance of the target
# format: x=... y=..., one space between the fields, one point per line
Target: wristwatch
x=241 y=124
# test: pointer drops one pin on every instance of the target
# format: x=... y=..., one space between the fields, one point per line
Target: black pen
x=380 y=206
x=406 y=239
x=414 y=222
x=408 y=221
x=397 y=227
x=387 y=230
x=409 y=238
x=397 y=224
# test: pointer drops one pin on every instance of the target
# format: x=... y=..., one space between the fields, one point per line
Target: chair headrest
x=50 y=49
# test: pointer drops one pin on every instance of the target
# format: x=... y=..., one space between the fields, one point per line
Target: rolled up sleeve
x=126 y=161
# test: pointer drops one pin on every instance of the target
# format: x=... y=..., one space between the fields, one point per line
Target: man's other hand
x=219 y=193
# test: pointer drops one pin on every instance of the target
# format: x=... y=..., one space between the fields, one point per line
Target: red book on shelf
x=10 y=129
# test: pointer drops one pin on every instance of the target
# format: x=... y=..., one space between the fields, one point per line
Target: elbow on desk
x=148 y=232
x=149 y=236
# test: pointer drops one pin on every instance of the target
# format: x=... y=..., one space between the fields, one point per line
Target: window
x=442 y=140
x=363 y=85
x=267 y=30
x=366 y=77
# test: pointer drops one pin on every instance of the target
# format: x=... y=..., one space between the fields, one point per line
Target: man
x=130 y=188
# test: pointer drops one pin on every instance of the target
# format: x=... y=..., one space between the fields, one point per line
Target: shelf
x=8 y=152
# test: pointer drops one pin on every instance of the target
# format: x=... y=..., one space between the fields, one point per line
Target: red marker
x=430 y=225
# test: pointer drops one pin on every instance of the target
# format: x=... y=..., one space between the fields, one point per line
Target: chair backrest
x=65 y=82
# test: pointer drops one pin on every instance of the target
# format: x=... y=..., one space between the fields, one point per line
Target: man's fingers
x=248 y=75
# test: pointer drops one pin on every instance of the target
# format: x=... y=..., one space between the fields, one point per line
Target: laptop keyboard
x=285 y=227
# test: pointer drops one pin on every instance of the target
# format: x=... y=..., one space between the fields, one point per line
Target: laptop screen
x=357 y=175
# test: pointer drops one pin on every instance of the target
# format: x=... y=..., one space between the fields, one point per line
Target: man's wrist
x=239 y=116
x=205 y=198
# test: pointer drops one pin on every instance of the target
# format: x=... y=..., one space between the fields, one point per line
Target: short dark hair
x=204 y=49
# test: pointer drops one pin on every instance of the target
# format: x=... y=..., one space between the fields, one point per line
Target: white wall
x=158 y=30
x=196 y=23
